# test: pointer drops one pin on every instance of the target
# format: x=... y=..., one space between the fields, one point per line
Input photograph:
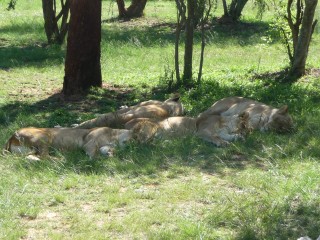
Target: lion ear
x=283 y=110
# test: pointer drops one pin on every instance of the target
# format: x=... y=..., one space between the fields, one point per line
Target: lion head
x=280 y=121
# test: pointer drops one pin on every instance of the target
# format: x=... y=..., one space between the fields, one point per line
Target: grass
x=265 y=187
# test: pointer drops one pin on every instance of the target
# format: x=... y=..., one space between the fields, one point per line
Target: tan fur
x=40 y=140
x=149 y=109
x=219 y=130
x=261 y=116
x=145 y=129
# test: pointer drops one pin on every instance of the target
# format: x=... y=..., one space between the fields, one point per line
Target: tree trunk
x=225 y=8
x=188 y=51
x=121 y=8
x=135 y=10
x=176 y=47
x=204 y=19
x=236 y=8
x=301 y=51
x=50 y=25
x=203 y=44
x=53 y=33
x=82 y=66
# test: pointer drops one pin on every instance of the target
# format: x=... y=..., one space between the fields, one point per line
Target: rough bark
x=135 y=10
x=82 y=66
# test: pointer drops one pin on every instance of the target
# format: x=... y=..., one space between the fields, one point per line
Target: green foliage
x=281 y=28
x=12 y=5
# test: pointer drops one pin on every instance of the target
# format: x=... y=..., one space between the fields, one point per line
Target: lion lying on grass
x=148 y=109
x=261 y=116
x=219 y=130
x=40 y=140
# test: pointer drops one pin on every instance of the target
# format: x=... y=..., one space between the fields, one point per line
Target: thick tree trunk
x=82 y=66
x=188 y=51
x=301 y=51
x=236 y=8
x=135 y=10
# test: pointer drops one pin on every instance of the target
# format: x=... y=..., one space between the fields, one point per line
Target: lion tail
x=7 y=146
x=13 y=145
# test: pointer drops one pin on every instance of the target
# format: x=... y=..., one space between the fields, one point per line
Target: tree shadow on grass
x=266 y=89
x=149 y=34
x=242 y=33
x=142 y=34
x=57 y=109
x=36 y=55
x=143 y=159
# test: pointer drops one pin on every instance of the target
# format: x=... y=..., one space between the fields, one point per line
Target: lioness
x=40 y=140
x=261 y=116
x=149 y=109
x=219 y=130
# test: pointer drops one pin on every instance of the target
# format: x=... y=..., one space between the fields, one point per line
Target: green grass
x=265 y=187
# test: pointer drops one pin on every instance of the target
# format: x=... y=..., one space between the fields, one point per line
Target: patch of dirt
x=314 y=72
x=282 y=76
x=38 y=228
x=141 y=22
x=87 y=208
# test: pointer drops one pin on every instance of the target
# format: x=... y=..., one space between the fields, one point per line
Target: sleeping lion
x=219 y=130
x=40 y=140
x=149 y=109
x=261 y=116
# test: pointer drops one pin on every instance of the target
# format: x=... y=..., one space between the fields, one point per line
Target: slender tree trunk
x=225 y=8
x=53 y=32
x=294 y=24
x=82 y=66
x=188 y=52
x=49 y=15
x=176 y=47
x=203 y=44
x=204 y=19
x=301 y=51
